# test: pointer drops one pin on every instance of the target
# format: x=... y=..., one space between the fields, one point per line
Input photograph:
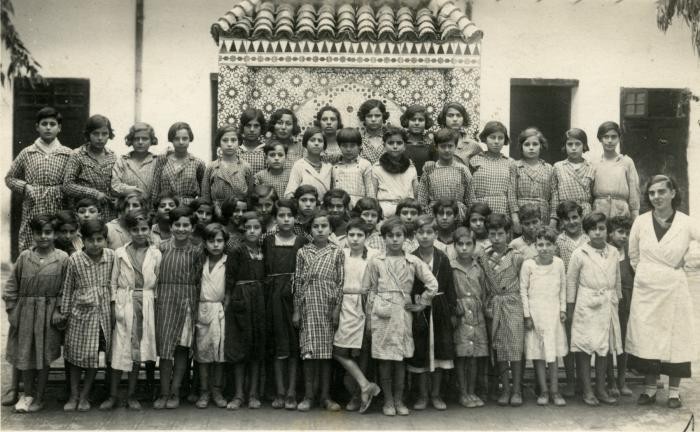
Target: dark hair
x=250 y=215
x=546 y=233
x=139 y=127
x=305 y=189
x=38 y=222
x=271 y=145
x=123 y=201
x=320 y=112
x=285 y=203
x=592 y=219
x=445 y=135
x=463 y=232
x=492 y=127
x=615 y=222
x=179 y=126
x=391 y=223
x=132 y=219
x=251 y=114
x=608 y=126
x=426 y=219
x=358 y=223
x=497 y=221
x=48 y=112
x=88 y=202
x=180 y=212
x=349 y=135
x=411 y=112
x=390 y=131
x=262 y=191
x=164 y=195
x=95 y=122
x=311 y=131
x=277 y=116
x=529 y=211
x=566 y=207
x=229 y=205
x=93 y=226
x=211 y=230
x=530 y=132
x=442 y=118
x=336 y=193
x=481 y=208
x=65 y=217
x=443 y=203
x=670 y=183
x=319 y=213
x=196 y=203
x=368 y=203
x=408 y=203
x=224 y=130
x=578 y=134
x=368 y=106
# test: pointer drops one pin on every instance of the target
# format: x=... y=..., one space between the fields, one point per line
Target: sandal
x=235 y=403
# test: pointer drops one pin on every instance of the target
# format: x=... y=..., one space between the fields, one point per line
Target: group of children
x=386 y=249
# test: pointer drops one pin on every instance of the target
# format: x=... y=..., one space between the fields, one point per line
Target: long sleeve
x=512 y=204
x=370 y=191
x=206 y=183
x=118 y=172
x=295 y=179
x=633 y=186
x=11 y=292
x=618 y=279
x=449 y=285
x=370 y=280
x=524 y=287
x=15 y=178
x=555 y=195
x=298 y=286
x=469 y=197
x=423 y=192
x=114 y=282
x=68 y=288
x=340 y=276
x=157 y=175
x=249 y=180
x=200 y=171
x=513 y=189
x=633 y=243
x=562 y=288
x=70 y=185
x=426 y=276
x=572 y=277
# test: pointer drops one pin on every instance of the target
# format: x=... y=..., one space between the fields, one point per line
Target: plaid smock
x=570 y=183
x=565 y=246
x=355 y=178
x=491 y=181
x=466 y=147
x=44 y=172
x=277 y=181
x=295 y=151
x=372 y=145
x=222 y=180
x=129 y=172
x=318 y=290
x=531 y=184
x=86 y=303
x=183 y=181
x=85 y=176
x=470 y=337
x=452 y=181
x=504 y=306
x=255 y=158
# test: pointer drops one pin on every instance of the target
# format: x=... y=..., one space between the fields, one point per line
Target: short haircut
x=48 y=112
x=566 y=207
x=357 y=223
x=622 y=222
x=250 y=215
x=95 y=122
x=461 y=232
x=446 y=135
x=577 y=134
x=426 y=220
x=368 y=203
x=252 y=114
x=229 y=205
x=368 y=106
x=493 y=127
x=348 y=136
x=414 y=110
x=530 y=132
x=391 y=223
x=123 y=201
x=224 y=130
x=546 y=233
x=140 y=127
x=167 y=195
x=497 y=221
x=336 y=193
x=529 y=211
x=670 y=183
x=212 y=230
x=319 y=213
x=38 y=222
x=196 y=203
x=66 y=217
x=311 y=131
x=179 y=126
x=93 y=226
x=442 y=117
x=444 y=203
x=285 y=203
x=271 y=145
x=304 y=190
x=261 y=192
x=335 y=111
x=408 y=203
x=180 y=212
x=88 y=202
x=277 y=116
x=608 y=126
x=132 y=219
x=390 y=131
x=481 y=208
x=591 y=220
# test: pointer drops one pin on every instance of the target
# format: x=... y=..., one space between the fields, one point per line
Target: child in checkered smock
x=491 y=170
x=573 y=177
x=373 y=116
x=351 y=172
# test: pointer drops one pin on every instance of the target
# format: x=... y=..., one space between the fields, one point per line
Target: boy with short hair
x=352 y=172
x=277 y=173
x=530 y=221
x=88 y=209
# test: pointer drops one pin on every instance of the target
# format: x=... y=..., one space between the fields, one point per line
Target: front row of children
x=418 y=304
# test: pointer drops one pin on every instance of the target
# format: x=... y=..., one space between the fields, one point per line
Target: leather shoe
x=645 y=399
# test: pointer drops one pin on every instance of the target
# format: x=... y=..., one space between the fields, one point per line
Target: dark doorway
x=71 y=97
x=545 y=104
x=655 y=126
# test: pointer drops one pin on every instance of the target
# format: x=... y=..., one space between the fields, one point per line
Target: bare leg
x=353 y=369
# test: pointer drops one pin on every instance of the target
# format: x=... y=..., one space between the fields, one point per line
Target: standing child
x=373 y=115
x=283 y=127
x=306 y=199
x=37 y=173
x=232 y=211
x=419 y=143
x=369 y=210
x=251 y=125
x=209 y=330
x=86 y=304
x=454 y=116
x=67 y=236
x=88 y=209
x=432 y=327
x=337 y=204
x=593 y=292
x=389 y=279
x=311 y=170
x=476 y=222
x=318 y=291
x=491 y=170
x=118 y=234
x=262 y=200
x=133 y=172
x=394 y=177
x=616 y=182
x=280 y=251
x=504 y=306
x=245 y=312
x=572 y=179
x=351 y=172
x=470 y=339
x=276 y=174
x=543 y=292
x=408 y=211
x=446 y=212
x=32 y=296
x=177 y=293
x=160 y=230
x=329 y=121
x=134 y=278
x=349 y=339
x=529 y=214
